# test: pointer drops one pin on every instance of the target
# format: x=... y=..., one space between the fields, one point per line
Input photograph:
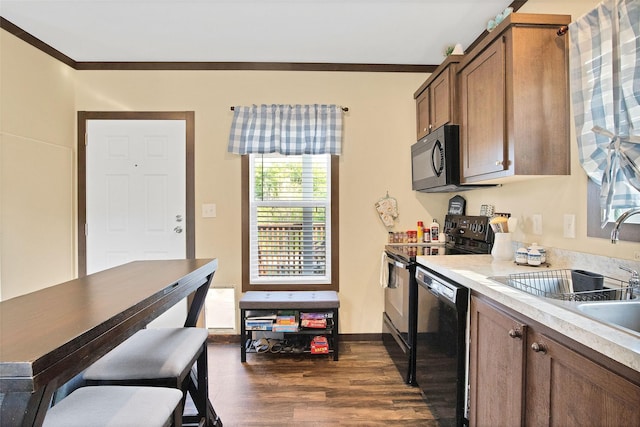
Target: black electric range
x=464 y=235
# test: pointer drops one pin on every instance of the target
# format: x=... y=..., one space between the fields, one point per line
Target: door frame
x=83 y=117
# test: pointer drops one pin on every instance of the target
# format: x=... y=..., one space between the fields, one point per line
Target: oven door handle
x=392 y=265
x=396 y=264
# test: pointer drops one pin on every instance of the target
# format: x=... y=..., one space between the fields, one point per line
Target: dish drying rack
x=557 y=284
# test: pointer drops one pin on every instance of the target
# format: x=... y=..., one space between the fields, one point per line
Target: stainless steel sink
x=621 y=313
x=616 y=305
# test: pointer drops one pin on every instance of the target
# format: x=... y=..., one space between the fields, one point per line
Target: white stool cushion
x=150 y=354
x=111 y=406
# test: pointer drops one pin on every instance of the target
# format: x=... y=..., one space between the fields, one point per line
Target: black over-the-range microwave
x=435 y=162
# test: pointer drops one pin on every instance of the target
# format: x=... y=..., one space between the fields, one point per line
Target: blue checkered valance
x=605 y=93
x=286 y=129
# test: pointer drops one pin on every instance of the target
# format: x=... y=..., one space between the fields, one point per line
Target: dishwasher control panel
x=436 y=285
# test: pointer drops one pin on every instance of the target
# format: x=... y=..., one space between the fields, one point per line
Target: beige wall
x=379 y=129
x=37 y=157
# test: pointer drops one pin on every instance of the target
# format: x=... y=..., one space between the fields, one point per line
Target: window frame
x=246 y=215
x=628 y=232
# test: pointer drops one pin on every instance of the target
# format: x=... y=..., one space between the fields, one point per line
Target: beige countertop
x=473 y=271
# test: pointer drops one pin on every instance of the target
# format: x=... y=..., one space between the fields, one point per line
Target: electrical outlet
x=537 y=224
x=209 y=210
x=569 y=229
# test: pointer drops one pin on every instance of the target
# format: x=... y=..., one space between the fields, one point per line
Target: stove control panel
x=472 y=227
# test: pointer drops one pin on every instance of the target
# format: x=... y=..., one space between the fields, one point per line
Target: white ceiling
x=412 y=32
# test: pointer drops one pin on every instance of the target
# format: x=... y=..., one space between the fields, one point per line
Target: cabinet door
x=441 y=100
x=567 y=389
x=423 y=123
x=496 y=366
x=482 y=99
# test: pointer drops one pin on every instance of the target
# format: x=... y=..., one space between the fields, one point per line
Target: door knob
x=178 y=229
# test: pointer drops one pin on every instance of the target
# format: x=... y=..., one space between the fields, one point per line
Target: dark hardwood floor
x=363 y=388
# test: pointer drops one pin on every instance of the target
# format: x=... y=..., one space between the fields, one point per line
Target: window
x=630 y=230
x=290 y=222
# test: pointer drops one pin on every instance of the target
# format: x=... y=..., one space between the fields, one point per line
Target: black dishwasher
x=440 y=351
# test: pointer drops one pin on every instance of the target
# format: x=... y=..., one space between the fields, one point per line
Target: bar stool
x=109 y=406
x=160 y=358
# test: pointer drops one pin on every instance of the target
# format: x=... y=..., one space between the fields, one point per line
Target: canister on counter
x=541 y=251
x=534 y=257
x=522 y=255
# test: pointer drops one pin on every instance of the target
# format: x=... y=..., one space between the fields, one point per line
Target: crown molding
x=253 y=66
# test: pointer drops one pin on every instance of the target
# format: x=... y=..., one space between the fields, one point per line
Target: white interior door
x=136 y=191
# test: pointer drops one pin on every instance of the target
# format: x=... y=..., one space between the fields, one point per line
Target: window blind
x=290 y=208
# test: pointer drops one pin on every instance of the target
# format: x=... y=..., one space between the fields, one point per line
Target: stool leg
x=177 y=414
x=243 y=337
x=199 y=390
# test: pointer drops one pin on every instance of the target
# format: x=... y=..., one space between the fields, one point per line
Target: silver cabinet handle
x=178 y=229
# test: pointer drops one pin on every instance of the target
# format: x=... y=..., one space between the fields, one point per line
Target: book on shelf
x=284 y=328
x=286 y=320
x=262 y=317
x=314 y=323
x=258 y=324
x=315 y=320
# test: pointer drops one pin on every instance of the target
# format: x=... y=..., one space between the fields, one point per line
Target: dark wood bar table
x=49 y=336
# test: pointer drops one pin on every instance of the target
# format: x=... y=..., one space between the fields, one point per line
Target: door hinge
x=85 y=139
x=86 y=229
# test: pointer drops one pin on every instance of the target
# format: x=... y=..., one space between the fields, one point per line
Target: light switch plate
x=537 y=224
x=209 y=210
x=569 y=228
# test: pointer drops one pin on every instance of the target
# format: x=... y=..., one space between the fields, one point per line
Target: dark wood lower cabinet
x=564 y=388
x=496 y=367
x=520 y=376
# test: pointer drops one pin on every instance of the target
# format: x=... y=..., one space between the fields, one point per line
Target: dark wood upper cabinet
x=513 y=101
x=435 y=98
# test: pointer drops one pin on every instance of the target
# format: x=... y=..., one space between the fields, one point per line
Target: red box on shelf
x=314 y=323
x=319 y=345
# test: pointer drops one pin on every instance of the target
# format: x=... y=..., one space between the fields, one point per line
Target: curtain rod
x=345 y=109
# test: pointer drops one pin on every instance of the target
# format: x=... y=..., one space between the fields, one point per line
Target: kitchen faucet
x=634 y=281
x=622 y=218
